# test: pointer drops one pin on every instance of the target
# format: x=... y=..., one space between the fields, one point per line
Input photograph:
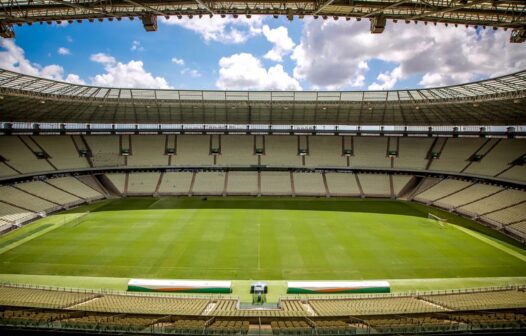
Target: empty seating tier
x=456 y=154
x=21 y=157
x=400 y=182
x=185 y=326
x=13 y=215
x=148 y=150
x=75 y=187
x=62 y=151
x=177 y=183
x=492 y=157
x=509 y=215
x=342 y=184
x=468 y=195
x=412 y=153
x=515 y=173
x=442 y=189
x=412 y=324
x=289 y=308
x=308 y=184
x=519 y=227
x=483 y=300
x=38 y=298
x=240 y=182
x=497 y=201
x=291 y=327
x=49 y=192
x=137 y=303
x=370 y=152
x=144 y=305
x=375 y=185
x=372 y=306
x=105 y=150
x=325 y=151
x=485 y=320
x=109 y=323
x=281 y=150
x=6 y=171
x=275 y=183
x=142 y=183
x=228 y=327
x=237 y=150
x=209 y=183
x=193 y=150
x=22 y=199
x=118 y=180
x=499 y=158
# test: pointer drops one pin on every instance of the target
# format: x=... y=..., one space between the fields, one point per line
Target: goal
x=441 y=221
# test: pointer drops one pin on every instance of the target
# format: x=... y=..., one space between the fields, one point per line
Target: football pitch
x=258 y=238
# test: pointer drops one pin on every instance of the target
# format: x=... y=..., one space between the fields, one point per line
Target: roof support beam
x=381 y=10
x=74 y=5
x=447 y=10
x=205 y=6
x=322 y=7
x=151 y=9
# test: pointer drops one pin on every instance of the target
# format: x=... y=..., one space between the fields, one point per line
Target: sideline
x=491 y=242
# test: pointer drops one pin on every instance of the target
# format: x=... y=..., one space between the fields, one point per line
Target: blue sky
x=261 y=53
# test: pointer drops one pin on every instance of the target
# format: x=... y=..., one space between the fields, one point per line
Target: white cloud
x=63 y=51
x=224 y=30
x=282 y=43
x=103 y=58
x=178 y=61
x=432 y=79
x=192 y=72
x=13 y=58
x=69 y=39
x=245 y=72
x=332 y=54
x=131 y=74
x=387 y=79
x=136 y=46
x=75 y=79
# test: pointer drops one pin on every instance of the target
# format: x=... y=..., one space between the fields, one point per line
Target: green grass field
x=258 y=238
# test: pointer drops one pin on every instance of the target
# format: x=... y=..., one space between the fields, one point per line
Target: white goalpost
x=441 y=221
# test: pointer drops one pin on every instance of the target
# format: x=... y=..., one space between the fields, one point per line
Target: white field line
x=491 y=242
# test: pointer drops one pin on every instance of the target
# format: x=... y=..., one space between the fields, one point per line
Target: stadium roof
x=492 y=13
x=497 y=101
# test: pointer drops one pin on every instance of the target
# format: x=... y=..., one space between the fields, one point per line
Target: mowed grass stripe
x=263 y=238
x=492 y=243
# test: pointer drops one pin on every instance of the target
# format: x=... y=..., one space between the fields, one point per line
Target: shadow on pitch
x=262 y=203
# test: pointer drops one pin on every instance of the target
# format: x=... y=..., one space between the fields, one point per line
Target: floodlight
x=149 y=21
x=518 y=35
x=378 y=24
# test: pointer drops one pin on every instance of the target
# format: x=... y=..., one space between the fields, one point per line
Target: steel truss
x=497 y=101
x=490 y=13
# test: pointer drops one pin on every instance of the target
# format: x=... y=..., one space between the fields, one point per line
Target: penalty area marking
x=157 y=201
x=491 y=242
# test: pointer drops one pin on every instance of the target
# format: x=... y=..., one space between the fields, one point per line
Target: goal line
x=441 y=221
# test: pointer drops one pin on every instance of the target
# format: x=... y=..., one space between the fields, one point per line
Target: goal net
x=441 y=221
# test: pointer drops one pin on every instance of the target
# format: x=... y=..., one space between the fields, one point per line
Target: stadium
x=208 y=212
